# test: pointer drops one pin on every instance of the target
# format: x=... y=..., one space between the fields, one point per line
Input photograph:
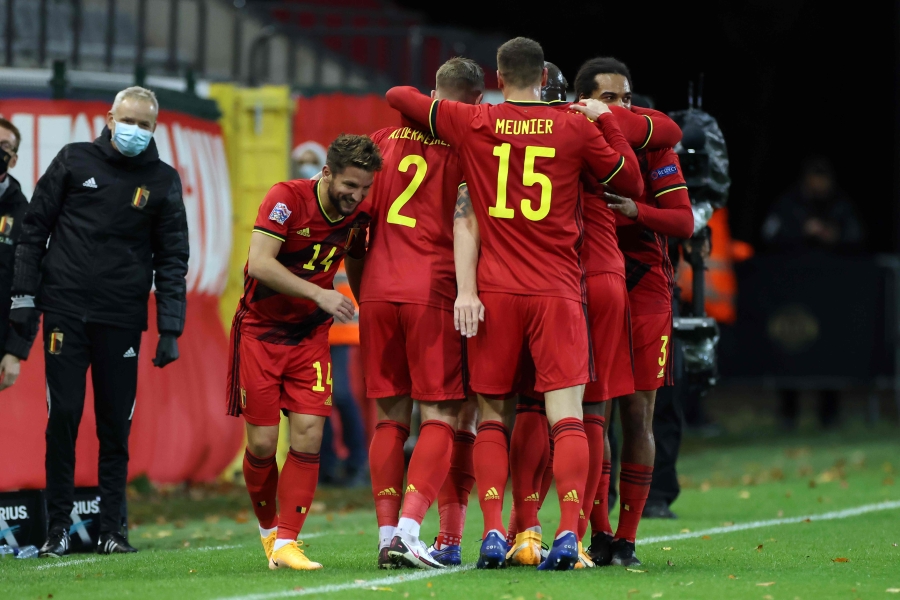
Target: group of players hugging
x=510 y=265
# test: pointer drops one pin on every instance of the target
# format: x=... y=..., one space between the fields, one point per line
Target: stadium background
x=241 y=83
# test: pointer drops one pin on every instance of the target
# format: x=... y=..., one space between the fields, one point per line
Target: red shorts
x=265 y=379
x=410 y=349
x=610 y=320
x=651 y=335
x=551 y=331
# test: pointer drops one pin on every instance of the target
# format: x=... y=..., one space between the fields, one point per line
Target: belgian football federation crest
x=140 y=198
x=6 y=225
x=351 y=236
x=56 y=342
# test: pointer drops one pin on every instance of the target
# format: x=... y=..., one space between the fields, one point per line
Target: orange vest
x=344 y=334
x=721 y=284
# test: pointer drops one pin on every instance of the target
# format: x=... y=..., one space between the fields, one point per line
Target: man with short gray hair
x=115 y=220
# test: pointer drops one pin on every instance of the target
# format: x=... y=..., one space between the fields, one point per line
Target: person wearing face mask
x=115 y=220
x=15 y=338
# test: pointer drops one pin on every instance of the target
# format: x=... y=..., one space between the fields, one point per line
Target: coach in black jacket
x=15 y=340
x=115 y=218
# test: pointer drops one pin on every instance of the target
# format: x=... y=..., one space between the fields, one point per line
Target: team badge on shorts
x=243 y=398
x=280 y=213
x=141 y=197
x=56 y=342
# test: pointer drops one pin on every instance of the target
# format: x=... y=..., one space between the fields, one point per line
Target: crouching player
x=280 y=358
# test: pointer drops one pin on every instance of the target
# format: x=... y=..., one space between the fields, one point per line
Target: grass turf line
x=749 y=482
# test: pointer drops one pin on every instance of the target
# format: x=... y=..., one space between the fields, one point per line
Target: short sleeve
x=449 y=120
x=277 y=212
x=664 y=172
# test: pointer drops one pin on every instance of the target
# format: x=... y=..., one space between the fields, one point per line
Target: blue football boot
x=493 y=551
x=563 y=554
x=449 y=556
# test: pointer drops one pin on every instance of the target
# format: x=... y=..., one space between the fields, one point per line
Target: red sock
x=491 y=460
x=547 y=478
x=386 y=465
x=593 y=428
x=571 y=472
x=453 y=499
x=634 y=485
x=295 y=492
x=428 y=468
x=600 y=510
x=261 y=477
x=529 y=449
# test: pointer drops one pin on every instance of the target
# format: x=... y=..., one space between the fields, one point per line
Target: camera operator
x=15 y=338
x=115 y=220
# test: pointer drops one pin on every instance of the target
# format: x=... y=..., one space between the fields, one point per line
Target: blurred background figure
x=308 y=159
x=815 y=215
x=352 y=471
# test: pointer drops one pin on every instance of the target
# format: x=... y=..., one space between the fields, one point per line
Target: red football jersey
x=410 y=256
x=600 y=251
x=649 y=274
x=312 y=248
x=523 y=161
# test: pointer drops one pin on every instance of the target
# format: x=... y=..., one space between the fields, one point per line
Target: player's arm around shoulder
x=468 y=309
x=609 y=155
x=263 y=265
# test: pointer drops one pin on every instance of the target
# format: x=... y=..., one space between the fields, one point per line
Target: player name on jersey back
x=524 y=127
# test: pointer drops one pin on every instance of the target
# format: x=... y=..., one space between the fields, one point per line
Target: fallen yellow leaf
x=768 y=597
x=381 y=589
x=727 y=523
x=164 y=533
x=780 y=513
x=706 y=537
x=744 y=495
x=635 y=571
x=767 y=584
x=759 y=548
x=667 y=548
x=429 y=584
x=192 y=571
x=657 y=595
x=685 y=531
x=840 y=559
x=893 y=590
x=732 y=577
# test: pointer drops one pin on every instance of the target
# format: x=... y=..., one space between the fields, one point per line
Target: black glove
x=24 y=318
x=166 y=349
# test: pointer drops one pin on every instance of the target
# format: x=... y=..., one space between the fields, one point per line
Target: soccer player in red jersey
x=281 y=360
x=522 y=161
x=410 y=347
x=610 y=337
x=664 y=209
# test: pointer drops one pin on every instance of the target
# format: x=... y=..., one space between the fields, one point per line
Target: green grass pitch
x=199 y=543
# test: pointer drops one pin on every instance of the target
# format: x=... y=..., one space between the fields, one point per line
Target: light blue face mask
x=130 y=139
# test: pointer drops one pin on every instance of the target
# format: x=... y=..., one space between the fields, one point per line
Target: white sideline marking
x=65 y=563
x=398 y=579
x=340 y=587
x=838 y=514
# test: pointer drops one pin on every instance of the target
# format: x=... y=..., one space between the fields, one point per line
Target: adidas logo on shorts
x=411 y=488
x=388 y=492
x=662 y=373
x=491 y=494
x=571 y=496
x=533 y=497
x=328 y=401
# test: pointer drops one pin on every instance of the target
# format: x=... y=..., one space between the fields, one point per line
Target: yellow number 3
x=394 y=215
x=665 y=342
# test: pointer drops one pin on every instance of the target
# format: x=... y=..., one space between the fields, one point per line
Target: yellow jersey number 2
x=408 y=161
x=529 y=178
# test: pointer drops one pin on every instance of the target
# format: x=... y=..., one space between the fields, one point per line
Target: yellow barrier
x=256 y=127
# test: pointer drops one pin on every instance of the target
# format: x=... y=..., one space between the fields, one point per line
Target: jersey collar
x=328 y=219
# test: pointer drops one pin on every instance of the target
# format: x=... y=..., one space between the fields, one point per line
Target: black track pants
x=70 y=347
